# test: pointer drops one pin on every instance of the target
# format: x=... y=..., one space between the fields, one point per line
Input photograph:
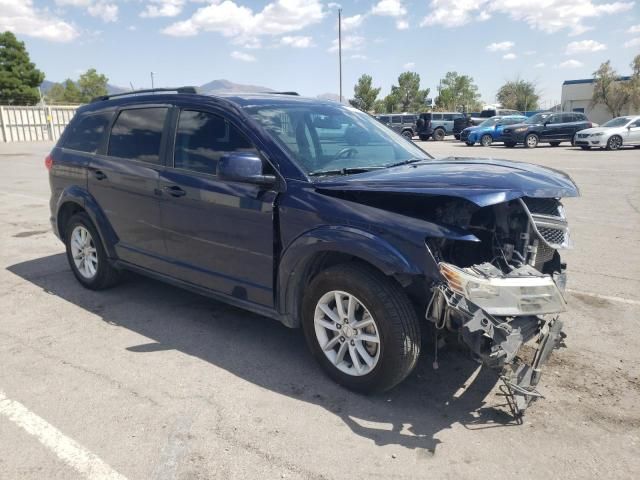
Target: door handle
x=175 y=191
x=99 y=175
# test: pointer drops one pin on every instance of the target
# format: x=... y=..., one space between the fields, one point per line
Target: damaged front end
x=505 y=290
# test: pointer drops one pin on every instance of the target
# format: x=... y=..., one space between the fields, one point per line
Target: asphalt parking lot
x=146 y=381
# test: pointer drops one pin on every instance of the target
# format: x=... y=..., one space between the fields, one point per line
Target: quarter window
x=203 y=138
x=137 y=134
x=86 y=133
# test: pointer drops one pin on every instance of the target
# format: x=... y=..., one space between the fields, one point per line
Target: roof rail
x=149 y=90
x=284 y=93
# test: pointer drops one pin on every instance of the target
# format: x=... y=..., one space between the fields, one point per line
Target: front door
x=219 y=234
x=124 y=183
x=632 y=136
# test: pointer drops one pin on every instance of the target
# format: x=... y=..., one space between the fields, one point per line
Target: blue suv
x=490 y=130
x=317 y=215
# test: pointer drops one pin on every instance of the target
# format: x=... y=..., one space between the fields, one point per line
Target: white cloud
x=409 y=65
x=245 y=57
x=358 y=56
x=297 y=41
x=233 y=20
x=510 y=56
x=634 y=29
x=163 y=8
x=571 y=64
x=500 y=46
x=548 y=16
x=353 y=22
x=349 y=42
x=108 y=12
x=634 y=42
x=584 y=46
x=21 y=17
x=389 y=8
x=539 y=65
x=402 y=24
x=73 y=3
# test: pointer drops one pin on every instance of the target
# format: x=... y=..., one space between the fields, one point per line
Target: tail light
x=48 y=162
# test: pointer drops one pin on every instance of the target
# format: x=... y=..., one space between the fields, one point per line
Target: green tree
x=364 y=95
x=92 y=84
x=19 y=77
x=407 y=96
x=379 y=106
x=518 y=94
x=458 y=91
x=72 y=93
x=609 y=90
x=634 y=83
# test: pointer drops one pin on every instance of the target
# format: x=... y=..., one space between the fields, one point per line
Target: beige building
x=576 y=97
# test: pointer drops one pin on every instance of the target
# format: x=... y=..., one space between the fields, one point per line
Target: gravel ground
x=154 y=382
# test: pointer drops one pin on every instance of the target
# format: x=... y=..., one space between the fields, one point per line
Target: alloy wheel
x=84 y=253
x=614 y=143
x=347 y=333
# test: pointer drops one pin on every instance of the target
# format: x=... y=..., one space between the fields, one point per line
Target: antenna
x=340 y=50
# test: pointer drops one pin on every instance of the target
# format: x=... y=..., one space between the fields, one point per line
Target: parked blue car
x=490 y=130
x=317 y=215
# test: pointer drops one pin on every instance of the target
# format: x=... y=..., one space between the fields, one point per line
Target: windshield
x=617 y=122
x=329 y=138
x=538 y=118
x=489 y=122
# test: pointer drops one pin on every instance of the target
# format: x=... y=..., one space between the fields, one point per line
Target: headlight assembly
x=599 y=134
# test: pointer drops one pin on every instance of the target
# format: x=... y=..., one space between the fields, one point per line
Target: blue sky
x=289 y=44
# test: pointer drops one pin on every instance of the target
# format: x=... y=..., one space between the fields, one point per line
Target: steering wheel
x=347 y=152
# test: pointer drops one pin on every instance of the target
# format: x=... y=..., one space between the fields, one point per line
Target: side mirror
x=243 y=167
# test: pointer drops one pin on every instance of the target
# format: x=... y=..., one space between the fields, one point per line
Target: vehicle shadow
x=267 y=354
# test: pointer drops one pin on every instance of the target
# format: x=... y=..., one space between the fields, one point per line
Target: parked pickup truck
x=317 y=215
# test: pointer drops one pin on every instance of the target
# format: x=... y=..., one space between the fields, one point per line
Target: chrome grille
x=548 y=220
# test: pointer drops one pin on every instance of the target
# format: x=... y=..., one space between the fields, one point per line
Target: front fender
x=336 y=239
x=82 y=198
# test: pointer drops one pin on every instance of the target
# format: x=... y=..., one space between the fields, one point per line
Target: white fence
x=34 y=124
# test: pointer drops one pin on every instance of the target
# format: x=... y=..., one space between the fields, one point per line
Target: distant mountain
x=46 y=85
x=228 y=86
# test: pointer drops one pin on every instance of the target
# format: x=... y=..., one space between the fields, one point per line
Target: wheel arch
x=76 y=200
x=327 y=246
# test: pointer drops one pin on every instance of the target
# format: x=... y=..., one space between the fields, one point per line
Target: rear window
x=87 y=132
x=137 y=133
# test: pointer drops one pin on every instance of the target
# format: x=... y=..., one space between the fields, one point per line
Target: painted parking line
x=65 y=448
x=628 y=301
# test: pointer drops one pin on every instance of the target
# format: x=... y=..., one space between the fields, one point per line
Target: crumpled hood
x=481 y=181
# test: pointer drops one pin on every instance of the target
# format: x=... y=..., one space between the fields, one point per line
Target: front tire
x=614 y=143
x=361 y=327
x=470 y=144
x=408 y=134
x=86 y=255
x=438 y=134
x=486 y=140
x=531 y=141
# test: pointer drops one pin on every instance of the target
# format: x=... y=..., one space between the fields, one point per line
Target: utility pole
x=152 y=79
x=340 y=50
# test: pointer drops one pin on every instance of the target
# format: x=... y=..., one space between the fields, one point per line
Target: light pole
x=340 y=50
x=152 y=79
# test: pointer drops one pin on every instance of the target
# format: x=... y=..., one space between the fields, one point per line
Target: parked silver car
x=614 y=134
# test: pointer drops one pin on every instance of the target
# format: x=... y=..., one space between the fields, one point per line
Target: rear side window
x=436 y=116
x=86 y=133
x=137 y=134
x=203 y=138
x=395 y=119
x=384 y=119
x=409 y=119
x=448 y=116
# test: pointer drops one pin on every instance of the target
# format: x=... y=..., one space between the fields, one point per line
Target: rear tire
x=389 y=315
x=486 y=140
x=531 y=141
x=86 y=255
x=408 y=134
x=438 y=134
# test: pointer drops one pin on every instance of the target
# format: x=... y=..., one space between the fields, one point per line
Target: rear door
x=553 y=130
x=219 y=234
x=124 y=182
